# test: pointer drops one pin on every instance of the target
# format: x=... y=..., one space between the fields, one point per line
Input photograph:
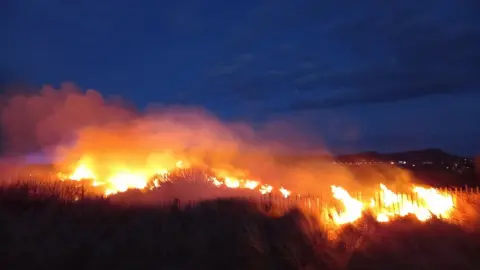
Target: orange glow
x=123 y=180
x=284 y=192
x=427 y=203
x=82 y=172
x=118 y=148
x=353 y=208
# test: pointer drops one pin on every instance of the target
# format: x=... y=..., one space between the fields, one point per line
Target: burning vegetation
x=115 y=149
x=422 y=202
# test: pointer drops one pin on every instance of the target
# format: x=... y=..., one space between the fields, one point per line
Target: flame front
x=423 y=203
x=122 y=180
x=353 y=208
x=385 y=205
x=82 y=172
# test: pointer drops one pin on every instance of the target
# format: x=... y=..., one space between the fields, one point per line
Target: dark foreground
x=44 y=233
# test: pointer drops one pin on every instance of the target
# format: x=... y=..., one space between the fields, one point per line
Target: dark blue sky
x=363 y=75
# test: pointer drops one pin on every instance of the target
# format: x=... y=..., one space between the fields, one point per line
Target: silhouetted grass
x=46 y=229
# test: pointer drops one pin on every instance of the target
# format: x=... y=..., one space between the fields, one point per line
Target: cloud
x=421 y=51
x=369 y=53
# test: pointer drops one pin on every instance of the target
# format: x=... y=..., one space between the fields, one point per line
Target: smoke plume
x=75 y=126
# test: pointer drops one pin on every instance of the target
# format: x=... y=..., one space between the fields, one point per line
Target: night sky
x=360 y=75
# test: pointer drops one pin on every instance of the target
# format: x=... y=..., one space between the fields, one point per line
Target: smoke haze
x=73 y=126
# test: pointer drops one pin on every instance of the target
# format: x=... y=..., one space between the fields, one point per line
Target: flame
x=82 y=172
x=231 y=183
x=385 y=205
x=265 y=189
x=423 y=203
x=353 y=207
x=215 y=181
x=284 y=192
x=123 y=180
x=251 y=184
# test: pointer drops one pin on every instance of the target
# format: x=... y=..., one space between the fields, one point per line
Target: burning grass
x=43 y=228
x=421 y=201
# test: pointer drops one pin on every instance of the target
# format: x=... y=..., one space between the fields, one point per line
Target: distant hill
x=433 y=155
x=432 y=166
